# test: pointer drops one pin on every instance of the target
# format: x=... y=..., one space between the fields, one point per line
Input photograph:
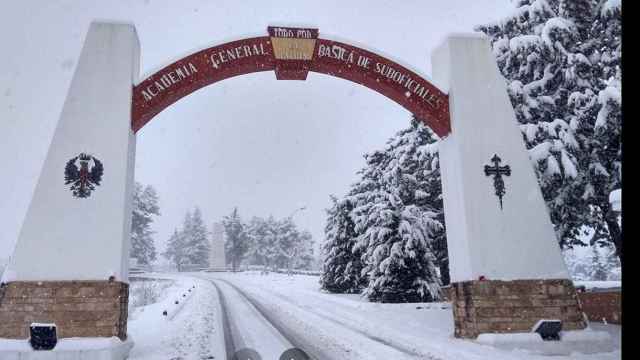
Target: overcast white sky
x=263 y=145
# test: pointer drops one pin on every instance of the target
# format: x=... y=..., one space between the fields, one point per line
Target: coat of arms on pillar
x=84 y=173
x=497 y=171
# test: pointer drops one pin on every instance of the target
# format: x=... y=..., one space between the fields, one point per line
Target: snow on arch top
x=291 y=53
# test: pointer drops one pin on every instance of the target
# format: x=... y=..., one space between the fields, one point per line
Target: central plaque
x=293 y=50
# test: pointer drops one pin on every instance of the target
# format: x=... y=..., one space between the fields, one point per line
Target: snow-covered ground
x=270 y=313
x=190 y=330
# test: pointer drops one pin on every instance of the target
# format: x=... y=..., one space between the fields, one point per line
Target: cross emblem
x=497 y=171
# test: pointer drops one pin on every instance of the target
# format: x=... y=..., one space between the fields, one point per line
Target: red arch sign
x=291 y=53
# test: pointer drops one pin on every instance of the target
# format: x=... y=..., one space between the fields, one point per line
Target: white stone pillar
x=217 y=258
x=517 y=241
x=64 y=237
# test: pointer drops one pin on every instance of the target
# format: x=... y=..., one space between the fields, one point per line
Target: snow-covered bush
x=143 y=291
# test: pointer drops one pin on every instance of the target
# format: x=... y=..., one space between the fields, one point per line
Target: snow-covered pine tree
x=593 y=262
x=605 y=264
x=398 y=260
x=397 y=204
x=236 y=239
x=561 y=61
x=278 y=243
x=184 y=235
x=599 y=129
x=580 y=12
x=362 y=197
x=414 y=172
x=342 y=266
x=400 y=225
x=395 y=221
x=577 y=266
x=145 y=207
x=304 y=255
x=174 y=251
x=599 y=269
x=287 y=245
x=271 y=251
x=612 y=264
x=257 y=235
x=196 y=246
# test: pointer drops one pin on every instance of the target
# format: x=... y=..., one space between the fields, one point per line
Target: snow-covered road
x=329 y=326
x=277 y=327
x=246 y=326
x=271 y=313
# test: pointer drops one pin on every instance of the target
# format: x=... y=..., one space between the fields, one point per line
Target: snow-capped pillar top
x=78 y=222
x=498 y=226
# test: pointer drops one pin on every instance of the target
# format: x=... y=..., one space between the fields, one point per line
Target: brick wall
x=492 y=306
x=78 y=308
x=602 y=305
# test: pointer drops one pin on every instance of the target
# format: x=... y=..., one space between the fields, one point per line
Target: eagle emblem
x=82 y=179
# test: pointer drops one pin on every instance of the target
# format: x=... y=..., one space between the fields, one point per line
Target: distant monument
x=217 y=259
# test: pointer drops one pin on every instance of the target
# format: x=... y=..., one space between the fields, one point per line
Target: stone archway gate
x=506 y=267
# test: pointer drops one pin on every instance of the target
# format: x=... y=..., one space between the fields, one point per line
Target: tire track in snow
x=390 y=343
x=229 y=345
x=277 y=324
x=243 y=335
x=302 y=344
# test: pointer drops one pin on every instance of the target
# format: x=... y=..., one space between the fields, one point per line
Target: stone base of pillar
x=494 y=306
x=78 y=308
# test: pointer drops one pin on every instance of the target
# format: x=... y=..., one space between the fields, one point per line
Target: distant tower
x=217 y=259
